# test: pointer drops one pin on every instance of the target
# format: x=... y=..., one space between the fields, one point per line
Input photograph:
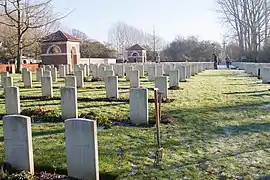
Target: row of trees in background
x=121 y=36
x=249 y=27
x=190 y=49
x=92 y=48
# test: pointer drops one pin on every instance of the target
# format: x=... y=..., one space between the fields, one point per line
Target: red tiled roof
x=59 y=36
x=70 y=37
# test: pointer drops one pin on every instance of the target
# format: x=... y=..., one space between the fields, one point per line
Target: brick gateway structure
x=60 y=48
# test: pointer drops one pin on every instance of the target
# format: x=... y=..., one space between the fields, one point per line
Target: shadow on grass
x=38 y=87
x=96 y=87
x=44 y=104
x=42 y=133
x=240 y=84
x=260 y=95
x=235 y=130
x=216 y=75
x=81 y=99
x=101 y=105
x=47 y=133
x=246 y=92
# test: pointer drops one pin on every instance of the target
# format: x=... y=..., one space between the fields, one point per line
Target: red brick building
x=60 y=48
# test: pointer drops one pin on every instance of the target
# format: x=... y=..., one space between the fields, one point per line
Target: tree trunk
x=18 y=68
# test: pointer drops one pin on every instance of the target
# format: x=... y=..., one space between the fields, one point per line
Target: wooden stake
x=157 y=114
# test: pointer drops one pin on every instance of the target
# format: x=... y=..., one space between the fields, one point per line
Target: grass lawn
x=220 y=129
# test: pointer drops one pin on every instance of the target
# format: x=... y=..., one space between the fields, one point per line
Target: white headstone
x=46 y=86
x=39 y=74
x=27 y=79
x=109 y=68
x=23 y=72
x=111 y=84
x=134 y=78
x=159 y=70
x=109 y=73
x=47 y=74
x=69 y=107
x=121 y=70
x=161 y=83
x=127 y=69
x=79 y=79
x=62 y=71
x=48 y=68
x=12 y=100
x=174 y=78
x=140 y=68
x=182 y=72
x=18 y=142
x=82 y=149
x=152 y=73
x=54 y=74
x=138 y=101
x=167 y=68
x=70 y=81
x=101 y=72
x=87 y=68
x=8 y=81
x=188 y=71
x=3 y=75
x=95 y=70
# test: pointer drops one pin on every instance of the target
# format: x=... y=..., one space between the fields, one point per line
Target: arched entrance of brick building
x=73 y=57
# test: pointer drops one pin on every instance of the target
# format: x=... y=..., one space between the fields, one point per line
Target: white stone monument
x=174 y=78
x=138 y=101
x=70 y=81
x=109 y=73
x=111 y=85
x=27 y=79
x=47 y=87
x=54 y=74
x=161 y=83
x=18 y=142
x=79 y=79
x=69 y=107
x=82 y=149
x=152 y=73
x=134 y=78
x=12 y=100
x=39 y=74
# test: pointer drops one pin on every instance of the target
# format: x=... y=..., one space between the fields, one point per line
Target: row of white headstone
x=81 y=146
x=81 y=134
x=261 y=70
x=153 y=70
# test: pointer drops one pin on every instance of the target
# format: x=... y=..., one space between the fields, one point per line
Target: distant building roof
x=135 y=47
x=59 y=36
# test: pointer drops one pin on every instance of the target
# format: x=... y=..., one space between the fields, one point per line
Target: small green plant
x=174 y=88
x=96 y=79
x=97 y=116
x=42 y=114
x=24 y=175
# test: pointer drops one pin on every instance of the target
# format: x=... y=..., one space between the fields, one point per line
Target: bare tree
x=249 y=22
x=123 y=36
x=27 y=15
